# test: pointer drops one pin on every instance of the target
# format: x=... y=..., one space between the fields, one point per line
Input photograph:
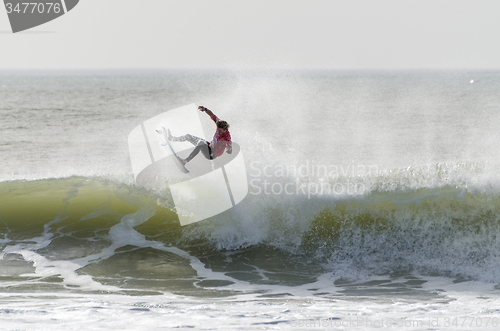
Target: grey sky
x=350 y=34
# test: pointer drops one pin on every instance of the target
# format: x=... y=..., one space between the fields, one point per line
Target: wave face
x=98 y=235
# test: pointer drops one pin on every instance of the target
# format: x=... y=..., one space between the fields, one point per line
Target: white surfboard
x=178 y=162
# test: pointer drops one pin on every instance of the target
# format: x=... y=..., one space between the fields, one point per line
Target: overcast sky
x=241 y=34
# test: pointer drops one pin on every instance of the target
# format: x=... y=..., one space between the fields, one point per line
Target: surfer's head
x=222 y=125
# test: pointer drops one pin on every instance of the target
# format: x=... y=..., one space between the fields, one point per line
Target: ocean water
x=374 y=203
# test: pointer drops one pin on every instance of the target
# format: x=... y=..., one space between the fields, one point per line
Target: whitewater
x=373 y=203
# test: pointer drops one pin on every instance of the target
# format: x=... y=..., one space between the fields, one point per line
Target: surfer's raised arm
x=206 y=110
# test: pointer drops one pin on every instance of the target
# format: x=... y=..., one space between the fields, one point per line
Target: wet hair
x=222 y=125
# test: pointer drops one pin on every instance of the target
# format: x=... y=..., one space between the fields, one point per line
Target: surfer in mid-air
x=220 y=143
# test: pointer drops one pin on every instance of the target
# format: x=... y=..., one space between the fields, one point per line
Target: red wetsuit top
x=220 y=141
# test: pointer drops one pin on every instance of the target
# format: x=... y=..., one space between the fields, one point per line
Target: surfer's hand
x=229 y=151
x=201 y=108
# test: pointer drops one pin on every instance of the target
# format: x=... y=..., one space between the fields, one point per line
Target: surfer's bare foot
x=184 y=161
x=169 y=135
